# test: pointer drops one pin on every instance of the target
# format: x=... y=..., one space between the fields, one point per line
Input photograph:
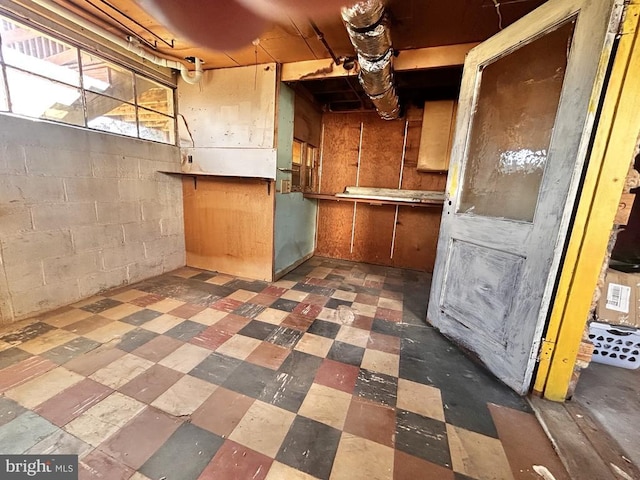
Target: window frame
x=141 y=132
x=307 y=174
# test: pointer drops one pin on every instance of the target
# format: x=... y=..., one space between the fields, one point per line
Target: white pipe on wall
x=128 y=44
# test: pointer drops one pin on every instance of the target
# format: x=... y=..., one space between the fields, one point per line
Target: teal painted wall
x=295 y=222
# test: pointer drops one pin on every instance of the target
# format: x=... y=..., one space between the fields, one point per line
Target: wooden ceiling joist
x=415 y=59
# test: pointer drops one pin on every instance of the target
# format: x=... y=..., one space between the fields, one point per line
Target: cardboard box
x=620 y=300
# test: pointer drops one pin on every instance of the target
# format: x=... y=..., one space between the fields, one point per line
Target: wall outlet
x=285 y=186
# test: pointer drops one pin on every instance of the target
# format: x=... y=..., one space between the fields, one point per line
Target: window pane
x=101 y=76
x=4 y=106
x=309 y=171
x=111 y=115
x=154 y=96
x=512 y=127
x=38 y=97
x=35 y=52
x=156 y=127
x=297 y=152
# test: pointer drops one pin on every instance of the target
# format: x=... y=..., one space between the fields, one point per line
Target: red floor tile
x=337 y=375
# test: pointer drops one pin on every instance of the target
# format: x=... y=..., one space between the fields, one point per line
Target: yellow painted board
x=614 y=147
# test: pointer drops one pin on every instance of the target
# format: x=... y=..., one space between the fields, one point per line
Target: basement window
x=45 y=77
x=303 y=167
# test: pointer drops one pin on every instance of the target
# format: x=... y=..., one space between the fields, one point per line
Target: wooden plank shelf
x=373 y=201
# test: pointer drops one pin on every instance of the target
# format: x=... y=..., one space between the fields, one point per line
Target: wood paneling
x=381 y=156
x=340 y=152
x=229 y=226
x=334 y=229
x=381 y=159
x=417 y=238
x=373 y=234
x=307 y=121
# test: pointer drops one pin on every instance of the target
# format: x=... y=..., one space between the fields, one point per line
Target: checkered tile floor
x=329 y=373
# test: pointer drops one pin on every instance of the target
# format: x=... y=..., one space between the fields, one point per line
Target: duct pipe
x=370 y=36
x=127 y=44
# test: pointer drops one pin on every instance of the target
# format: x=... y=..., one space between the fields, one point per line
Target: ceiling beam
x=415 y=59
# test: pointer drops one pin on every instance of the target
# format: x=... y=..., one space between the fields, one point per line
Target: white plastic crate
x=615 y=345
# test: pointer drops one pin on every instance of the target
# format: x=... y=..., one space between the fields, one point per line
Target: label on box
x=618 y=297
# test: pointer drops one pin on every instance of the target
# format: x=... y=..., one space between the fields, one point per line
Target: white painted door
x=527 y=107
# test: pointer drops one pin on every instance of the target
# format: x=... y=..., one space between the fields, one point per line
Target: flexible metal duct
x=371 y=38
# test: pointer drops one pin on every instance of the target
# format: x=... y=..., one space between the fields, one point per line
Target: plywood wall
x=364 y=232
x=229 y=225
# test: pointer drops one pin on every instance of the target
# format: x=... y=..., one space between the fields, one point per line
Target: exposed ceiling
x=413 y=23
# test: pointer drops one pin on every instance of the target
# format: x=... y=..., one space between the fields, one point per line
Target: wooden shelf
x=369 y=201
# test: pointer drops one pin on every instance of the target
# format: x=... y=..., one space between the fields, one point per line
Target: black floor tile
x=141 y=317
x=11 y=356
x=101 y=305
x=377 y=387
x=285 y=337
x=255 y=287
x=135 y=338
x=284 y=304
x=26 y=333
x=310 y=446
x=302 y=366
x=184 y=455
x=335 y=303
x=186 y=330
x=324 y=328
x=422 y=437
x=258 y=329
x=285 y=391
x=216 y=368
x=249 y=379
x=64 y=353
x=9 y=410
x=388 y=328
x=249 y=310
x=203 y=276
x=461 y=476
x=346 y=353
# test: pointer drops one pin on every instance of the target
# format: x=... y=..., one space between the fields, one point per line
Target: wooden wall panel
x=229 y=226
x=307 y=121
x=334 y=229
x=417 y=229
x=417 y=238
x=381 y=158
x=373 y=234
x=340 y=152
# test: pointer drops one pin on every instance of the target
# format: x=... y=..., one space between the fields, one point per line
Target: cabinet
x=436 y=138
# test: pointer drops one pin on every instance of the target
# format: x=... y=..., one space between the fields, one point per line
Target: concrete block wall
x=82 y=212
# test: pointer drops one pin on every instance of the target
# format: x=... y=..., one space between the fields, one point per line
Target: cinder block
x=71 y=266
x=12 y=161
x=97 y=236
x=175 y=260
x=135 y=189
x=172 y=226
x=14 y=220
x=155 y=210
x=22 y=277
x=145 y=268
x=123 y=255
x=57 y=162
x=46 y=297
x=88 y=189
x=104 y=165
x=118 y=212
x=101 y=281
x=164 y=246
x=33 y=246
x=63 y=215
x=30 y=190
x=128 y=167
x=142 y=231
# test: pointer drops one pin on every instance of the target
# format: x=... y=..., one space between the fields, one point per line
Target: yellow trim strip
x=614 y=147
